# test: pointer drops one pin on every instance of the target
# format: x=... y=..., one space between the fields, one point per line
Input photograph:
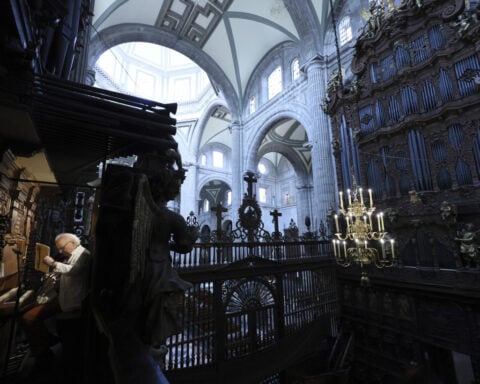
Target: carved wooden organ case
x=408 y=123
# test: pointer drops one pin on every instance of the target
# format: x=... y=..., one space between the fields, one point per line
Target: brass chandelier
x=360 y=237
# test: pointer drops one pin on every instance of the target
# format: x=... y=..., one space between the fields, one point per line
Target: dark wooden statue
x=136 y=291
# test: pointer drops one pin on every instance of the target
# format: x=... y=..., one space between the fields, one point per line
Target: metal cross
x=219 y=209
x=250 y=178
x=275 y=215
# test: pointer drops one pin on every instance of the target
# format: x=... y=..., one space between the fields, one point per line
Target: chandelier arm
x=358 y=242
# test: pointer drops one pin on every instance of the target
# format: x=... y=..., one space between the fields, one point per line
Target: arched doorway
x=285 y=169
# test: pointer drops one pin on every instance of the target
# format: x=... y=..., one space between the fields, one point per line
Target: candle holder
x=360 y=234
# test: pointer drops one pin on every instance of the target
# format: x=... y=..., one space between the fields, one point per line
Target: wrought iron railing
x=249 y=297
x=254 y=295
x=215 y=254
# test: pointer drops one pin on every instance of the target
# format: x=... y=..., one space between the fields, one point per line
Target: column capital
x=317 y=61
x=235 y=125
x=301 y=187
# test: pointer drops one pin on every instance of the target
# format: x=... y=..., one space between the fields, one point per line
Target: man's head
x=66 y=243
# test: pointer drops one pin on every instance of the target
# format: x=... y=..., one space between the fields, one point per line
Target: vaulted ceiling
x=229 y=35
x=228 y=39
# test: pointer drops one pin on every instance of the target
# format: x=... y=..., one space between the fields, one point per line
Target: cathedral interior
x=305 y=173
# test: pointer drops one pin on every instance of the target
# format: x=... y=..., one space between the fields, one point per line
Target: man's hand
x=49 y=261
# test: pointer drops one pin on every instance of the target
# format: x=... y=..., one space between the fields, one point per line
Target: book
x=41 y=250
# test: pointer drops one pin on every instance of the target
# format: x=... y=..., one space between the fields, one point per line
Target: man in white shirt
x=74 y=273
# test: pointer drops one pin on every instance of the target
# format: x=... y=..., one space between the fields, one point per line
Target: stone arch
x=212 y=177
x=259 y=134
x=202 y=122
x=125 y=33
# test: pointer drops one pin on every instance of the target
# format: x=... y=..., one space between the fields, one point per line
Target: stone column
x=237 y=169
x=323 y=173
x=188 y=195
x=304 y=208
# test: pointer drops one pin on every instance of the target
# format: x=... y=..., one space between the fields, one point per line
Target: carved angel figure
x=334 y=81
x=405 y=4
x=137 y=294
x=373 y=17
x=448 y=211
x=415 y=198
x=469 y=245
x=461 y=24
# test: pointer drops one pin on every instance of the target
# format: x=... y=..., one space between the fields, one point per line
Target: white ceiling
x=235 y=34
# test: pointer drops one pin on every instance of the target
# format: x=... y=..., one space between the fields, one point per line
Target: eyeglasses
x=60 y=249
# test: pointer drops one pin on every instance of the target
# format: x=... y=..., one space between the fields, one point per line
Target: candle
x=370 y=219
x=349 y=197
x=378 y=223
x=393 y=249
x=381 y=221
x=371 y=198
x=345 y=248
x=341 y=201
x=361 y=196
x=335 y=247
x=382 y=242
x=336 y=224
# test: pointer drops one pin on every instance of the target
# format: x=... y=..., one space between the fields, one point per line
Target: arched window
x=345 y=30
x=295 y=69
x=262 y=168
x=275 y=82
x=206 y=205
x=252 y=106
x=217 y=159
x=229 y=198
x=262 y=195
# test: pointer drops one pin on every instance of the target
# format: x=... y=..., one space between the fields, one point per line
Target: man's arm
x=79 y=267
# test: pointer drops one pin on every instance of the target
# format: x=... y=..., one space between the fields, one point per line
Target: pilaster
x=237 y=167
x=188 y=196
x=323 y=173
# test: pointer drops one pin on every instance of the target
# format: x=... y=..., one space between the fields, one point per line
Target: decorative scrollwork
x=250 y=214
x=248 y=294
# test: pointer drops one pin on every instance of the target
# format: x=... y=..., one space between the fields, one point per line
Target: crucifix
x=250 y=178
x=275 y=215
x=219 y=209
